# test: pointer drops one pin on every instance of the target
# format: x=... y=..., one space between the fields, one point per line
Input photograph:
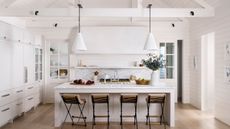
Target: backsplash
x=88 y=74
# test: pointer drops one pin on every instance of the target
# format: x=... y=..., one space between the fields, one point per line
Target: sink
x=119 y=81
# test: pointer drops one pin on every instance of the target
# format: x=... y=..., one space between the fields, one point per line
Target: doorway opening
x=208 y=72
x=179 y=70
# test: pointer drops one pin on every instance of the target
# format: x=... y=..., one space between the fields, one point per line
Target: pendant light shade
x=79 y=43
x=151 y=43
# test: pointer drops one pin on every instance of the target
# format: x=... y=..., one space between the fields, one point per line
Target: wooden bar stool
x=100 y=99
x=155 y=99
x=132 y=99
x=70 y=99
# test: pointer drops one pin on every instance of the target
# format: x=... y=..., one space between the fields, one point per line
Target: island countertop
x=115 y=90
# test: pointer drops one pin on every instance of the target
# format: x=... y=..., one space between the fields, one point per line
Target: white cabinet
x=17 y=65
x=5 y=65
x=19 y=93
x=29 y=61
x=5 y=31
x=18 y=108
x=16 y=35
x=29 y=103
x=6 y=97
x=6 y=114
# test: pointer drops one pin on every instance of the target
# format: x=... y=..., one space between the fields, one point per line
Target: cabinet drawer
x=6 y=114
x=6 y=97
x=18 y=93
x=29 y=90
x=29 y=103
x=18 y=107
x=37 y=99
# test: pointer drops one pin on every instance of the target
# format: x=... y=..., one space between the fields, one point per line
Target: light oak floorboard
x=187 y=117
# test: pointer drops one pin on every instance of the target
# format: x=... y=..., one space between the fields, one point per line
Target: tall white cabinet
x=19 y=90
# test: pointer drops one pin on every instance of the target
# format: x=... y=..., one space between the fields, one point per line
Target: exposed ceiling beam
x=96 y=22
x=108 y=12
x=7 y=3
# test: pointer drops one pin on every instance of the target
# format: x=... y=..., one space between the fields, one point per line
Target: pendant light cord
x=79 y=17
x=79 y=20
x=150 y=20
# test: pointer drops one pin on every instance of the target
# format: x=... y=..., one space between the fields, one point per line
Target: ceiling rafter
x=108 y=12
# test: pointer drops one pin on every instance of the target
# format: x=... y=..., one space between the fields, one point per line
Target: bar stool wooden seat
x=70 y=99
x=132 y=99
x=155 y=99
x=100 y=99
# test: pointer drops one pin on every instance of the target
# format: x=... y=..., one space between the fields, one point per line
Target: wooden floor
x=187 y=117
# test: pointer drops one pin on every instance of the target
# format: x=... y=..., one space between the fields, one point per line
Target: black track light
x=55 y=25
x=36 y=12
x=192 y=13
x=173 y=25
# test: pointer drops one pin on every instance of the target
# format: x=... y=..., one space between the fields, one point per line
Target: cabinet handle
x=19 y=104
x=5 y=109
x=19 y=91
x=25 y=74
x=5 y=95
x=30 y=98
x=30 y=87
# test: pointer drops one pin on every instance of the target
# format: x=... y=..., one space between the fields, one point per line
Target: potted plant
x=154 y=62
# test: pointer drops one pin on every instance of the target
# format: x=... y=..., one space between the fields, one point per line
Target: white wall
x=124 y=44
x=220 y=24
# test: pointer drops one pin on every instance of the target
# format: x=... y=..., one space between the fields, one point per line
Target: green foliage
x=154 y=62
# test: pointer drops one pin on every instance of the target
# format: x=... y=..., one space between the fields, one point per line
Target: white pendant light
x=150 y=43
x=79 y=43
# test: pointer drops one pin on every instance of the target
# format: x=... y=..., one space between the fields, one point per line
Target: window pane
x=169 y=73
x=162 y=73
x=169 y=60
x=169 y=48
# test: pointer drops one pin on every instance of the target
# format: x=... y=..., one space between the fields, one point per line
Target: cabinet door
x=29 y=64
x=18 y=108
x=5 y=31
x=5 y=65
x=29 y=103
x=17 y=65
x=6 y=114
x=16 y=35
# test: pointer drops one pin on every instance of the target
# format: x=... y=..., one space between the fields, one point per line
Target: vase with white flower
x=154 y=62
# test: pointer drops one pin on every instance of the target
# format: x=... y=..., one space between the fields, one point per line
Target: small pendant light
x=150 y=43
x=79 y=43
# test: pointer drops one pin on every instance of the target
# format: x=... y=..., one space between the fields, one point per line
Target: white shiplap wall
x=220 y=24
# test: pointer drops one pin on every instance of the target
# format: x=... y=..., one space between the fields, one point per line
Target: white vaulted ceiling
x=97 y=3
x=102 y=12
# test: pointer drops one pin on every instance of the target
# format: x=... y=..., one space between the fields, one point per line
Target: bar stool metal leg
x=156 y=99
x=67 y=114
x=131 y=99
x=81 y=116
x=100 y=99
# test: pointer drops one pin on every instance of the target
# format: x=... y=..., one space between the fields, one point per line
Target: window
x=167 y=51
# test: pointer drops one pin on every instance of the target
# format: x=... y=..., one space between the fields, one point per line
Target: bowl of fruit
x=142 y=81
x=82 y=82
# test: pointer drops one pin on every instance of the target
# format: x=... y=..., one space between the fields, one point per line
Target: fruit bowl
x=142 y=82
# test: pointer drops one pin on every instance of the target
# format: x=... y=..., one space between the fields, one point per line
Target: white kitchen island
x=114 y=90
